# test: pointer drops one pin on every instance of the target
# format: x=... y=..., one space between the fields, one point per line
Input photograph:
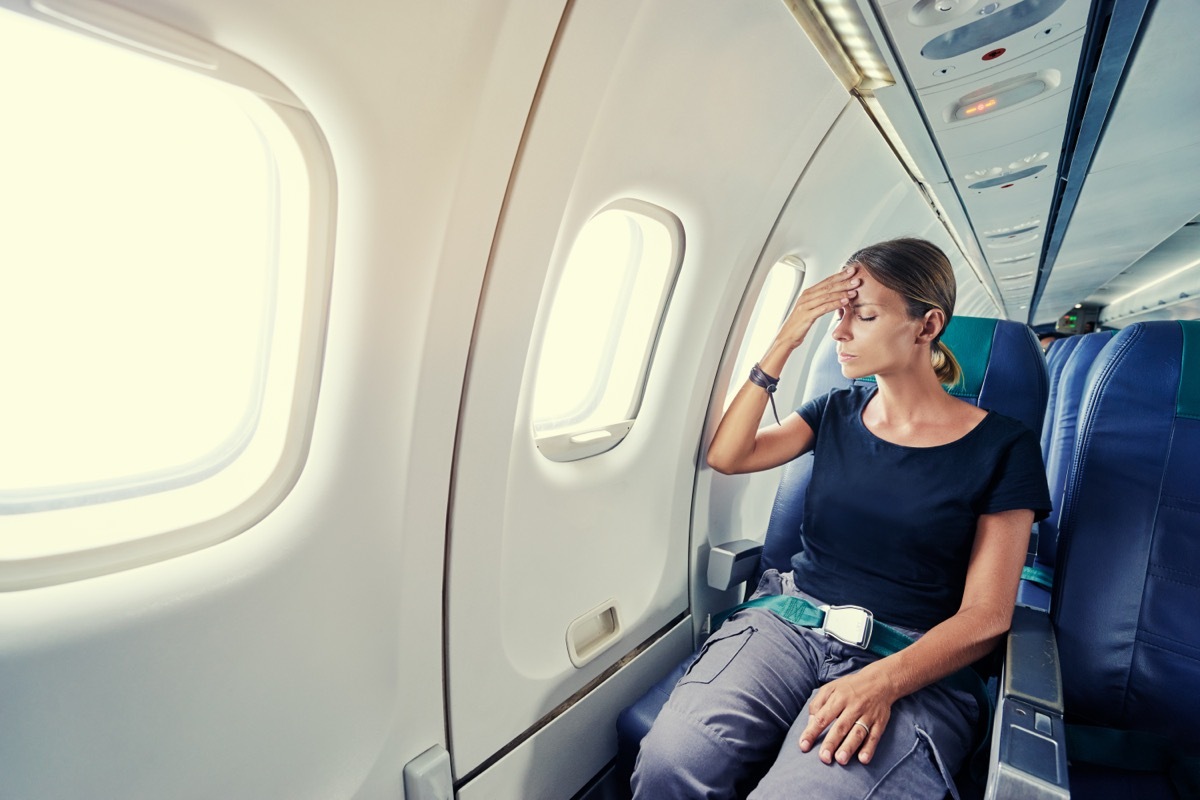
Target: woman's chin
x=852 y=371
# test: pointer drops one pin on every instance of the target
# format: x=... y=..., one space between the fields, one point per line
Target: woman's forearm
x=735 y=440
x=958 y=642
x=737 y=445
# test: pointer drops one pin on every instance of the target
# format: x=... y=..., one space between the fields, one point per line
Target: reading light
x=842 y=34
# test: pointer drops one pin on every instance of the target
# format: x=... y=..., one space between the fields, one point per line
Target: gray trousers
x=732 y=725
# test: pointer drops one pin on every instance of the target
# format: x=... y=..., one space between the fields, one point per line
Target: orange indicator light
x=980 y=107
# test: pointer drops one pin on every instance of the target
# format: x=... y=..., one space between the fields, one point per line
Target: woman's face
x=875 y=335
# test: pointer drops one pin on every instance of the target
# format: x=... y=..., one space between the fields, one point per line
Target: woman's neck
x=916 y=410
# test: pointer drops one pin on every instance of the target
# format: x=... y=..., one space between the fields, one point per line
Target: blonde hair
x=919 y=272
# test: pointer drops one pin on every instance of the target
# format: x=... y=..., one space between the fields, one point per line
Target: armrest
x=732 y=563
x=1029 y=741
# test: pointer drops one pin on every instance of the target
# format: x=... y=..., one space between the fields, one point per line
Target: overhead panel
x=1130 y=226
x=994 y=82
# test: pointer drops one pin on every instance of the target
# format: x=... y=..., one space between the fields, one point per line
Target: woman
x=919 y=510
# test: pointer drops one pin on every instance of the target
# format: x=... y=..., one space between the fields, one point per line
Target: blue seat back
x=1003 y=371
x=1056 y=359
x=1128 y=577
x=1072 y=379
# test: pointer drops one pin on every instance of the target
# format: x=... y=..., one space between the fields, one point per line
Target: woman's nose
x=841 y=331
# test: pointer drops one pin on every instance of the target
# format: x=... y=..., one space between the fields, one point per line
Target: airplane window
x=601 y=332
x=774 y=302
x=153 y=270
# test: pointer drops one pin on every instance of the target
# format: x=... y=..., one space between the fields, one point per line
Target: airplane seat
x=1072 y=376
x=1056 y=359
x=1004 y=370
x=1125 y=674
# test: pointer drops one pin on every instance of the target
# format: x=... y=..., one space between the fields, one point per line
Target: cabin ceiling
x=1055 y=199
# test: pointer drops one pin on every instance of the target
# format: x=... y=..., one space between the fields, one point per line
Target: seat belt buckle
x=848 y=624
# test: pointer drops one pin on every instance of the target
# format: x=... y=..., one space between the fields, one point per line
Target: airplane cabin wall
x=709 y=110
x=303 y=657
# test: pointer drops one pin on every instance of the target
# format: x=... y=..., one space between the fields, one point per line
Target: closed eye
x=865 y=319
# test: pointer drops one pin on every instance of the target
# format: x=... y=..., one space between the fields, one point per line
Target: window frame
x=65 y=542
x=577 y=441
x=744 y=359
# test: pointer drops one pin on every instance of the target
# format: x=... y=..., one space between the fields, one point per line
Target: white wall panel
x=710 y=110
x=303 y=658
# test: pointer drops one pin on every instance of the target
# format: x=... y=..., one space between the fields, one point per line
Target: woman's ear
x=931 y=325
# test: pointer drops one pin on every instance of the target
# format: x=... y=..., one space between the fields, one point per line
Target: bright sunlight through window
x=775 y=300
x=603 y=325
x=144 y=313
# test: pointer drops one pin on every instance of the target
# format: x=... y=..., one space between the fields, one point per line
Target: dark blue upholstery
x=1016 y=383
x=1056 y=359
x=1127 y=584
x=1072 y=376
x=1011 y=381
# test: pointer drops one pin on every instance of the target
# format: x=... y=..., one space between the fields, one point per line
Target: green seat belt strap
x=1137 y=751
x=1039 y=575
x=862 y=630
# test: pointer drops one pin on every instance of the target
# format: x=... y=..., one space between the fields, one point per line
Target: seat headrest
x=1004 y=369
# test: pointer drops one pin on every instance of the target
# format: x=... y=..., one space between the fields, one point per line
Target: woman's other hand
x=855 y=710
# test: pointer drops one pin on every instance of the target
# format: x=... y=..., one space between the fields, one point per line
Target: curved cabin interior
x=361 y=358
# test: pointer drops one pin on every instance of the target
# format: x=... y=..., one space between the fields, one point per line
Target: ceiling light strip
x=840 y=33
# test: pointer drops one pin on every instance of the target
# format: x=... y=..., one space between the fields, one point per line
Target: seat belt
x=848 y=624
x=1135 y=751
x=1040 y=575
x=857 y=626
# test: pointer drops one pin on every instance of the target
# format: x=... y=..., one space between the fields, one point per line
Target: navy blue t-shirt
x=890 y=527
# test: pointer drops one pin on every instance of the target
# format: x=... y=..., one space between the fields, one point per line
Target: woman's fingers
x=862 y=738
x=848 y=734
x=836 y=291
x=826 y=296
x=853 y=727
x=866 y=750
x=837 y=285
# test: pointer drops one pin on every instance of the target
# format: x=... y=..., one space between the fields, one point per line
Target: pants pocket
x=717 y=654
x=919 y=773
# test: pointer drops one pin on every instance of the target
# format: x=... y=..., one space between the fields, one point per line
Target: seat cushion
x=634 y=722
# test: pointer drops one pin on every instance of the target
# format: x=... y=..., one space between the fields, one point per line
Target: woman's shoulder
x=844 y=402
x=854 y=396
x=1007 y=430
x=842 y=398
